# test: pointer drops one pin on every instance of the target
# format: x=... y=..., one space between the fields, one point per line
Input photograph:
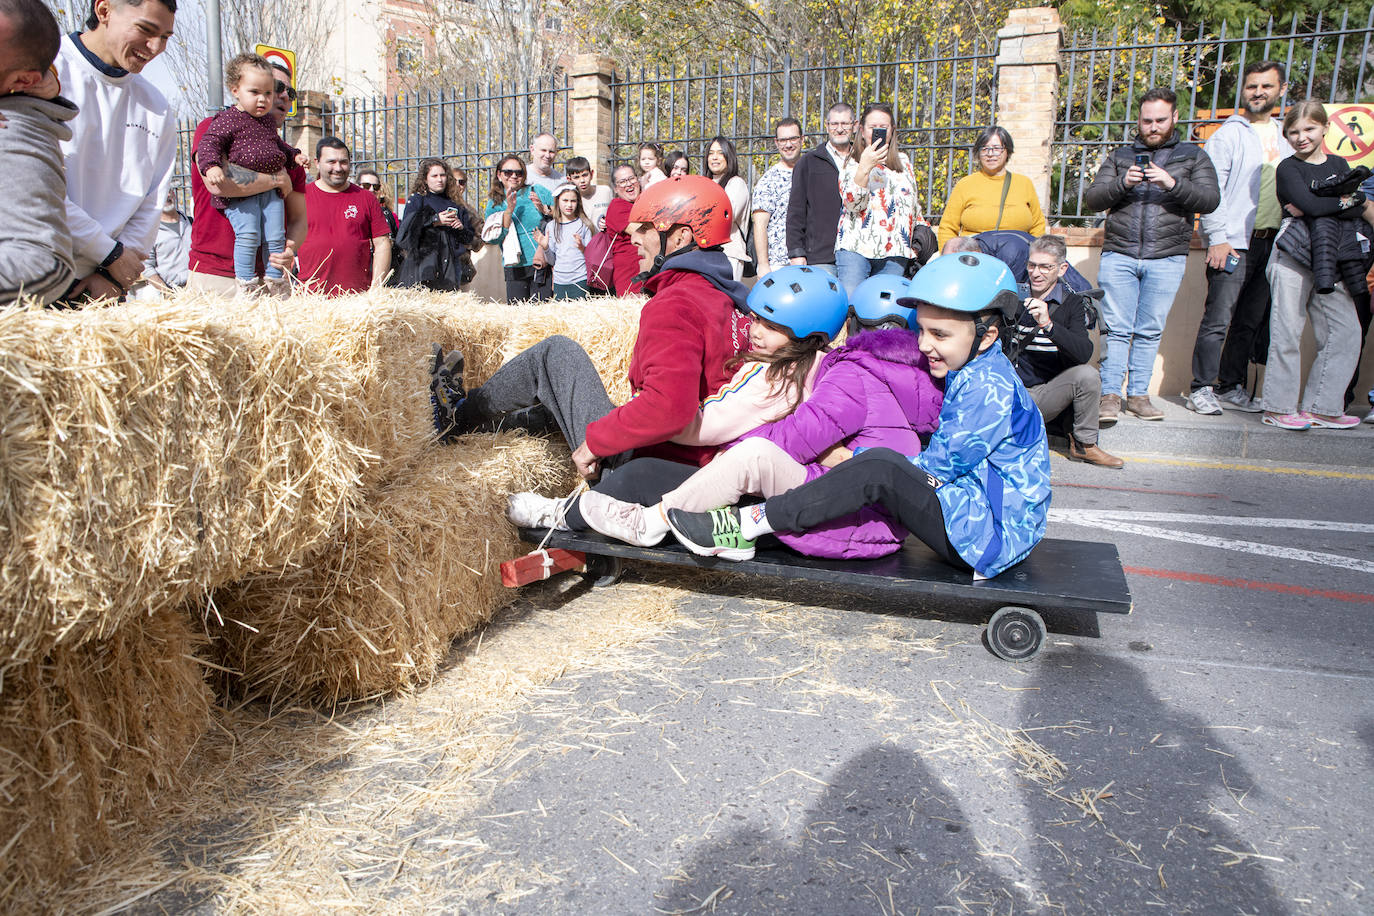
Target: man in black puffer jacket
x=1151 y=191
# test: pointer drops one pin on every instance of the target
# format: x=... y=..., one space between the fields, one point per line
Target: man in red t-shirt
x=212 y=238
x=348 y=243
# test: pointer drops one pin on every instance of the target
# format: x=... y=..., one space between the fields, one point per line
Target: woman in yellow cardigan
x=976 y=204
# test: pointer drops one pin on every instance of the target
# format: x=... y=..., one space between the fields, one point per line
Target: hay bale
x=89 y=738
x=376 y=611
x=148 y=452
x=383 y=338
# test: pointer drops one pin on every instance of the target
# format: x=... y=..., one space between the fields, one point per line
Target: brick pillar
x=591 y=114
x=305 y=129
x=1028 y=90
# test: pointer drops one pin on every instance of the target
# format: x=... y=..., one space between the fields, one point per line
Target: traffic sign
x=284 y=58
x=1351 y=133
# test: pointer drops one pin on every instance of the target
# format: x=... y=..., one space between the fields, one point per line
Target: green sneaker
x=711 y=534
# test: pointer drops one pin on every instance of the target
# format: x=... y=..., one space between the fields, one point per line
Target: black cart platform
x=1078 y=577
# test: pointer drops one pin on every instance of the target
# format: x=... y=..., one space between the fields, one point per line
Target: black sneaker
x=446 y=394
x=711 y=534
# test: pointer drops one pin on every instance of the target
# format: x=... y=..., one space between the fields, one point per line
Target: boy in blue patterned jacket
x=979 y=494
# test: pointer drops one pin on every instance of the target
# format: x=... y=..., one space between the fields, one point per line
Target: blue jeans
x=257 y=221
x=1139 y=296
x=853 y=269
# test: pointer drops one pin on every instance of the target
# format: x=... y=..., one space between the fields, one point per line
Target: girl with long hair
x=564 y=239
x=1311 y=280
x=520 y=213
x=435 y=232
x=878 y=196
x=722 y=166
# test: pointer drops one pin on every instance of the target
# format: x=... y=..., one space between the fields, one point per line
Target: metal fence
x=942 y=99
x=1103 y=75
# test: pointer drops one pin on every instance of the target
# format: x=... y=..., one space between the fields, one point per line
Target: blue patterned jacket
x=992 y=462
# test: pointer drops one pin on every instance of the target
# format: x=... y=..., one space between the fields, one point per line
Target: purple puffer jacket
x=876 y=390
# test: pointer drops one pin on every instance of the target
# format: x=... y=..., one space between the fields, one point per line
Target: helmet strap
x=662 y=257
x=980 y=328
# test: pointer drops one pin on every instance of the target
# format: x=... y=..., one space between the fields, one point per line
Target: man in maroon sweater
x=687 y=331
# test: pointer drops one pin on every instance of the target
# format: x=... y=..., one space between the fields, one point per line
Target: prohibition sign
x=1351 y=134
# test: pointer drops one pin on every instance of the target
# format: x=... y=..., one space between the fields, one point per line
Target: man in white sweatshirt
x=1240 y=233
x=119 y=159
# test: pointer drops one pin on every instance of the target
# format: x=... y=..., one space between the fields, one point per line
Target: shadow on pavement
x=887 y=831
x=1150 y=814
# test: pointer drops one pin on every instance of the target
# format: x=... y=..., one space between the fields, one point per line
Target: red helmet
x=694 y=201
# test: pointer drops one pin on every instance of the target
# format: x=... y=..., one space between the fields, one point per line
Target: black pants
x=642 y=480
x=555 y=373
x=877 y=477
x=1234 y=331
x=519 y=283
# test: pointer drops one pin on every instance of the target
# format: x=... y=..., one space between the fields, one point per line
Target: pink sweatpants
x=755 y=466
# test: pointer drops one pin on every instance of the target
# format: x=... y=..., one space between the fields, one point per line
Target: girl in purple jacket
x=875 y=390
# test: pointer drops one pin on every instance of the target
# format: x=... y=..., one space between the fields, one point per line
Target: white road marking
x=1116 y=522
x=1184 y=518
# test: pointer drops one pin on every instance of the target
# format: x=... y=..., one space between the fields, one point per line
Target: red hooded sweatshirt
x=687 y=332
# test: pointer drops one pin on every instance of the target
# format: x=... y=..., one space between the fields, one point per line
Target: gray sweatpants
x=557 y=373
x=1336 y=328
x=1080 y=386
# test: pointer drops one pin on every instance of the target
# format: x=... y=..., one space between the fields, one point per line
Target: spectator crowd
x=90 y=145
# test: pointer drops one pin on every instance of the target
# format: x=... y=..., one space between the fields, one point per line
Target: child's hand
x=540 y=239
x=302 y=160
x=214 y=175
x=580 y=244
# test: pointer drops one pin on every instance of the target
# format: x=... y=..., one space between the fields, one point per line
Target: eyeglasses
x=281 y=87
x=795 y=139
x=627 y=182
x=839 y=123
x=1040 y=268
x=368 y=186
x=991 y=151
x=513 y=173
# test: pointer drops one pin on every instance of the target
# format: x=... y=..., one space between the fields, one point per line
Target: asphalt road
x=835 y=753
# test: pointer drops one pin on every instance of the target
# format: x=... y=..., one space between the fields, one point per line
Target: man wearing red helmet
x=688 y=329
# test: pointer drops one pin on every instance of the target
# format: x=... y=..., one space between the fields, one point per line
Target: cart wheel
x=604 y=571
x=1016 y=633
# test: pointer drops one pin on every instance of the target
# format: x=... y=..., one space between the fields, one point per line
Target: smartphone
x=451 y=210
x=1232 y=262
x=1142 y=159
x=879 y=136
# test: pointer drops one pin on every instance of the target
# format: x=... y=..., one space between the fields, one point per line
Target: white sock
x=753 y=522
x=655 y=521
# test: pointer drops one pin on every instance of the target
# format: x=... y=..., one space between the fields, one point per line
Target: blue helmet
x=802 y=300
x=966 y=281
x=875 y=301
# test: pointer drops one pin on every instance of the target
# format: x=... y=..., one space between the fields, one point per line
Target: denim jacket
x=992 y=461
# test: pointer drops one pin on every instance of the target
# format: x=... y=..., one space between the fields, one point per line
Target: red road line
x=1093 y=486
x=1281 y=587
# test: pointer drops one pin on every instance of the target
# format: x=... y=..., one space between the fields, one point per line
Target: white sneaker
x=1369 y=417
x=628 y=522
x=1204 y=402
x=1239 y=399
x=530 y=510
